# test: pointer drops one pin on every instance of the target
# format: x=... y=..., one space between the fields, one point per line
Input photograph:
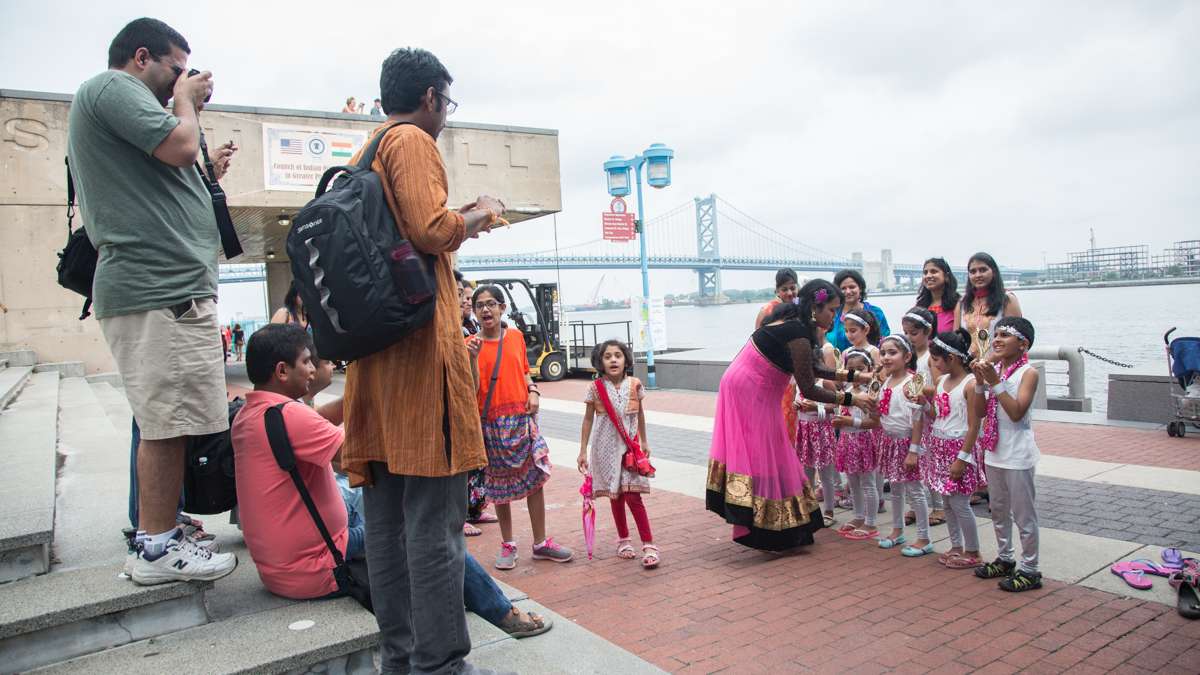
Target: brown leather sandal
x=519 y=624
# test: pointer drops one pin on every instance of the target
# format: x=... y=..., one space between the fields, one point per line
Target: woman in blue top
x=854 y=294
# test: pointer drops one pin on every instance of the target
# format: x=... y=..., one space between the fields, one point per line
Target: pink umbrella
x=589 y=515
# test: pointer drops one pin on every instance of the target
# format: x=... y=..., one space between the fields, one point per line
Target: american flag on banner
x=290 y=146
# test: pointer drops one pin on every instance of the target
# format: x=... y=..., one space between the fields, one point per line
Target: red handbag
x=634 y=459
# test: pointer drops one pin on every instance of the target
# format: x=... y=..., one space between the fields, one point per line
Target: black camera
x=192 y=73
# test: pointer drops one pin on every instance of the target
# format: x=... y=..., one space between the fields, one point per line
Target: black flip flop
x=1189 y=601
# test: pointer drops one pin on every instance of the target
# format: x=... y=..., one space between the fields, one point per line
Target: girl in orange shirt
x=518 y=457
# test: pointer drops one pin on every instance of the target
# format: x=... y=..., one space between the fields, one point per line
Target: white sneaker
x=182 y=561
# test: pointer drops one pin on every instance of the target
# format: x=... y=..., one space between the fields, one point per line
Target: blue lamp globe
x=658 y=165
x=617 y=169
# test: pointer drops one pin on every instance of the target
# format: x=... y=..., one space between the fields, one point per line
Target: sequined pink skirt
x=855 y=452
x=815 y=443
x=940 y=453
x=892 y=453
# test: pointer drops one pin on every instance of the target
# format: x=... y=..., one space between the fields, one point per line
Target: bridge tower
x=708 y=247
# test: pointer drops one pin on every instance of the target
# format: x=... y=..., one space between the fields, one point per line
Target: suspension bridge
x=707 y=235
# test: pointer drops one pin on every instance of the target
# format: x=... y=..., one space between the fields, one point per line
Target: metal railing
x=1076 y=387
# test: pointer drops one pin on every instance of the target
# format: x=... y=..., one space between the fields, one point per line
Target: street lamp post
x=657 y=159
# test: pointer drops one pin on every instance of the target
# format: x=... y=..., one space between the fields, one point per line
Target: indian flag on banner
x=342 y=149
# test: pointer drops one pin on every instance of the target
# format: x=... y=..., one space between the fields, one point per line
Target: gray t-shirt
x=152 y=223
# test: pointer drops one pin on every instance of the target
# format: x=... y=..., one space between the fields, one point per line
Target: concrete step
x=337 y=636
x=93 y=481
x=20 y=357
x=64 y=615
x=67 y=368
x=115 y=405
x=11 y=381
x=27 y=438
x=112 y=377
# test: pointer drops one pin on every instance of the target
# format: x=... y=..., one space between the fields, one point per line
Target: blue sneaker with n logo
x=181 y=560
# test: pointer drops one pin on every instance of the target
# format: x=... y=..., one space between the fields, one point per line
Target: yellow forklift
x=547 y=360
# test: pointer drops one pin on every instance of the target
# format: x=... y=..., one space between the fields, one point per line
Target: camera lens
x=192 y=73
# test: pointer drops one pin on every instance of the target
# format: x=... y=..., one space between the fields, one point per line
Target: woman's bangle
x=856 y=421
x=847 y=399
x=999 y=388
x=916 y=449
x=850 y=373
x=820 y=413
x=532 y=387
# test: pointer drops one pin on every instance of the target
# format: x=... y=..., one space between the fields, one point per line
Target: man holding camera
x=150 y=217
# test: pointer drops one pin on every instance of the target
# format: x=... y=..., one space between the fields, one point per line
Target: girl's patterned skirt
x=518 y=457
x=855 y=451
x=815 y=443
x=892 y=453
x=940 y=453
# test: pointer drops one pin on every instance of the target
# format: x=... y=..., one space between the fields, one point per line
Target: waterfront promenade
x=1106 y=494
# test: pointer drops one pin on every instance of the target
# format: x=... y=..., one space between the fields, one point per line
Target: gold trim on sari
x=769 y=514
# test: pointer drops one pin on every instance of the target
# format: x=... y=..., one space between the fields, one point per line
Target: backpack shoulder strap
x=285 y=457
x=368 y=155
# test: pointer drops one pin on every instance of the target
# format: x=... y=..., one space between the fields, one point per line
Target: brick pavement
x=837 y=606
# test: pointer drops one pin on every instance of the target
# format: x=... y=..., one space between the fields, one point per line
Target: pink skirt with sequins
x=940 y=453
x=855 y=452
x=815 y=443
x=892 y=453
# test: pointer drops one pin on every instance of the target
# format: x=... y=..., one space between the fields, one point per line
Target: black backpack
x=364 y=285
x=209 y=479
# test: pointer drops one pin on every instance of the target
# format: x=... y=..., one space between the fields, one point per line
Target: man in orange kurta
x=412 y=426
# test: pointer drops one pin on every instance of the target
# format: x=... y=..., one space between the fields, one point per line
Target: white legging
x=960 y=520
x=916 y=497
x=865 y=496
x=828 y=483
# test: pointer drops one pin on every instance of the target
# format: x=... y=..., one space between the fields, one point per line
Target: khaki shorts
x=173 y=369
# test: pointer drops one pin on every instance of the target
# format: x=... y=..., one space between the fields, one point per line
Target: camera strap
x=229 y=238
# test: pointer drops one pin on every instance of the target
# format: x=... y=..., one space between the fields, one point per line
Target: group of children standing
x=949 y=422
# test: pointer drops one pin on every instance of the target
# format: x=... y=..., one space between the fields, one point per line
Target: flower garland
x=991 y=434
x=885 y=402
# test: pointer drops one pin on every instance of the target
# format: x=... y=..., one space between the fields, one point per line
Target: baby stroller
x=1183 y=364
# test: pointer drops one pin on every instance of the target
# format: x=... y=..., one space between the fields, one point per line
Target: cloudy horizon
x=928 y=128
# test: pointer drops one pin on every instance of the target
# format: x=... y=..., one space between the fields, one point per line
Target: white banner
x=656 y=314
x=294 y=157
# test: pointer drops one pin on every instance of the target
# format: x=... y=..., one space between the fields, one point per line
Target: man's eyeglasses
x=451 y=104
x=487 y=304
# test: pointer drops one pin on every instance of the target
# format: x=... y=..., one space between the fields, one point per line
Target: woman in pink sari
x=755 y=480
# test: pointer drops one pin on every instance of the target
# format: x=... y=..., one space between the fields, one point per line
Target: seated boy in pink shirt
x=288 y=550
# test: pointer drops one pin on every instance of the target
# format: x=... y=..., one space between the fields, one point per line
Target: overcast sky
x=935 y=128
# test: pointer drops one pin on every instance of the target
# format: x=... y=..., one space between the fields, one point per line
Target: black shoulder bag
x=77 y=260
x=285 y=456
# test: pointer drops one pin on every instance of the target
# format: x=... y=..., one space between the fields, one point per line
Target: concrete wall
x=518 y=165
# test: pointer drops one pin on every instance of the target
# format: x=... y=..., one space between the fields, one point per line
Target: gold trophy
x=982 y=343
x=915 y=386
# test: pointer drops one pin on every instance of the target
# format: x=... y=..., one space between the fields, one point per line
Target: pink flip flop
x=1135 y=578
x=1141 y=565
x=859 y=534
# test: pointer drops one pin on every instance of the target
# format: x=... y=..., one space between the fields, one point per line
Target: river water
x=1125 y=324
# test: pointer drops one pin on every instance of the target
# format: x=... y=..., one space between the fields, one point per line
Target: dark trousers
x=416 y=562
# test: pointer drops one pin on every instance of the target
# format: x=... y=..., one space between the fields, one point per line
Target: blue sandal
x=890 y=543
x=914 y=552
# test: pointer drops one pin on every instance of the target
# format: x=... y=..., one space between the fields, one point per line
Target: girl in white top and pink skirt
x=900 y=427
x=951 y=463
